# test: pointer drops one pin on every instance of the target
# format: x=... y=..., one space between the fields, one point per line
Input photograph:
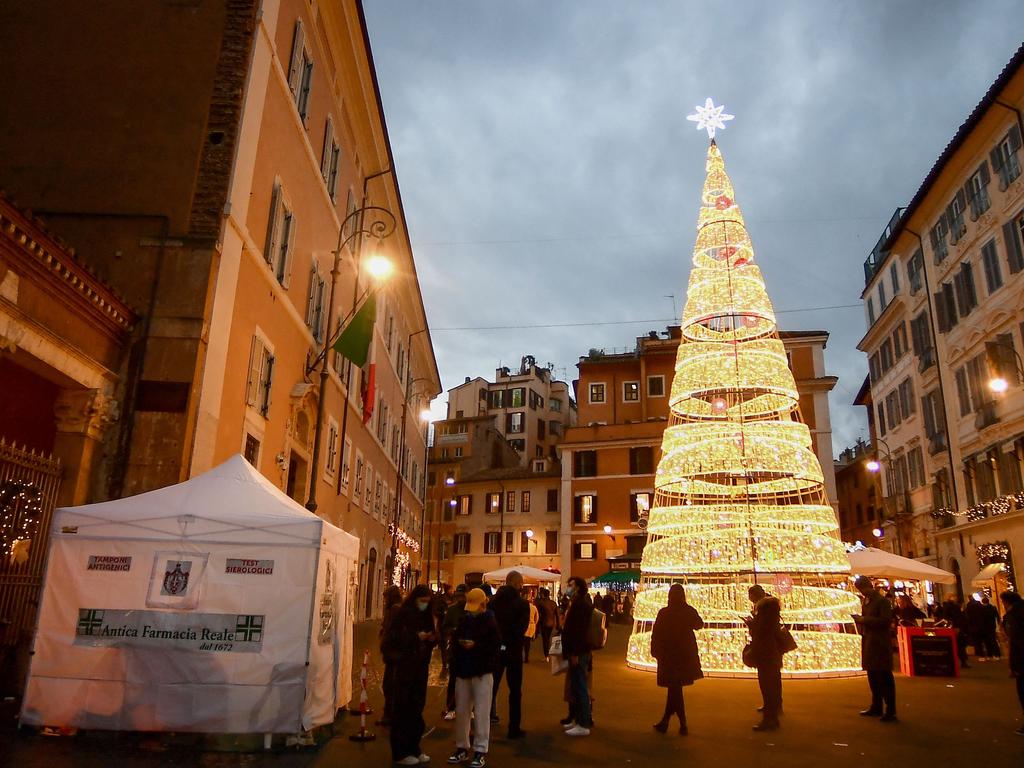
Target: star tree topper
x=709 y=117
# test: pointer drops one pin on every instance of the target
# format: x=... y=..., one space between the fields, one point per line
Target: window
x=464 y=505
x=315 y=319
x=542 y=429
x=915 y=465
x=966 y=294
x=492 y=543
x=1004 y=157
x=1013 y=234
x=955 y=217
x=555 y=428
x=899 y=340
x=976 y=190
x=519 y=445
x=962 y=391
x=921 y=338
x=892 y=409
x=656 y=386
x=641 y=460
x=945 y=307
x=934 y=420
x=871 y=310
x=585 y=550
x=510 y=501
x=596 y=393
x=881 y=419
x=444 y=552
x=990 y=262
x=526 y=502
x=498 y=398
x=332 y=170
x=493 y=503
x=1002 y=358
x=874 y=368
x=518 y=397
x=300 y=71
x=584 y=464
x=639 y=504
x=462 y=542
x=585 y=509
x=894 y=276
x=630 y=391
x=280 y=236
x=515 y=423
x=551 y=542
x=885 y=355
x=882 y=303
x=556 y=405
x=908 y=404
x=937 y=236
x=261 y=374
x=510 y=540
x=357 y=488
x=252 y=450
x=915 y=271
x=346 y=462
x=331 y=455
x=552 y=499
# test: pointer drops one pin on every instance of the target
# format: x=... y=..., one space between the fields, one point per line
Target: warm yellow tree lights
x=739 y=496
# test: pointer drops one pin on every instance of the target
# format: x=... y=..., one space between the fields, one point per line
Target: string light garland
x=403 y=538
x=997 y=552
x=21 y=508
x=739 y=493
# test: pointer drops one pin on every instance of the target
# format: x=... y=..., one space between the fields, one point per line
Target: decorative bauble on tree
x=739 y=493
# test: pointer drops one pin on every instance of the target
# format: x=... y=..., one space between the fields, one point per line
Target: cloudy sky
x=550 y=177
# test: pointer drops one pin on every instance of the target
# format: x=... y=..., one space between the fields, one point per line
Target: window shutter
x=996 y=156
x=311 y=300
x=940 y=310
x=593 y=508
x=295 y=66
x=1014 y=137
x=255 y=359
x=272 y=225
x=1013 y=247
x=307 y=85
x=970 y=290
x=325 y=157
x=268 y=375
x=286 y=268
x=983 y=171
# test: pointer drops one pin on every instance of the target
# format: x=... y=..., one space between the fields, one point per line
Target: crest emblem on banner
x=176 y=580
x=327 y=606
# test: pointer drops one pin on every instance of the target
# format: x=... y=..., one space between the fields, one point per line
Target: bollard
x=364 y=708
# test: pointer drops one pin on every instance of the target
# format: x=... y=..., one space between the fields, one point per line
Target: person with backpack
x=548 y=611
x=577 y=650
x=674 y=645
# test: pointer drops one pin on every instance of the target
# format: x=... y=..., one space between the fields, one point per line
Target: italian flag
x=356 y=344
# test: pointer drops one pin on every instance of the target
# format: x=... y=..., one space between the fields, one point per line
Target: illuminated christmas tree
x=739 y=493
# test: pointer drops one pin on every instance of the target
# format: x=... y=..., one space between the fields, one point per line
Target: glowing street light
x=425 y=415
x=608 y=530
x=529 y=533
x=877 y=533
x=998 y=385
x=379 y=268
x=873 y=466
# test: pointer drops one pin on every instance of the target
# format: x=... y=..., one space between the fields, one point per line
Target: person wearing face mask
x=577 y=650
x=409 y=642
x=475 y=644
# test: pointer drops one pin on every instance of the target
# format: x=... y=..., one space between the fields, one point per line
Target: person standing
x=452 y=617
x=548 y=610
x=409 y=643
x=989 y=619
x=1013 y=626
x=953 y=615
x=907 y=614
x=531 y=630
x=576 y=649
x=475 y=642
x=764 y=625
x=513 y=616
x=674 y=645
x=874 y=622
x=974 y=619
x=392 y=603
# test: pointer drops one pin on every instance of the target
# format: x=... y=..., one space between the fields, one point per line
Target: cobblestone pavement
x=963 y=722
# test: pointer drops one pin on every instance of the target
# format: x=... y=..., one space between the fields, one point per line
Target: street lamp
x=999 y=384
x=380 y=225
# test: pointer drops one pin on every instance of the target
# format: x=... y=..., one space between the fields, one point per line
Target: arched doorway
x=371 y=572
x=954 y=566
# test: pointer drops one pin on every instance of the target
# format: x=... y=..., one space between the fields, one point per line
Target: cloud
x=549 y=174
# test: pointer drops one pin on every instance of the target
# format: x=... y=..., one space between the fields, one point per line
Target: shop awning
x=876 y=562
x=530 y=574
x=988 y=574
x=616 y=577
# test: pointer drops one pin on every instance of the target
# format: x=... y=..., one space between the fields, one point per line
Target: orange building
x=609 y=459
x=213 y=184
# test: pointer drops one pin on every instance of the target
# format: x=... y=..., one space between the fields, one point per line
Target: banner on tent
x=220 y=632
x=176 y=580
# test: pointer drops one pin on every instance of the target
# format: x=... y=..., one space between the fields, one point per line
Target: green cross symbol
x=249 y=628
x=89 y=620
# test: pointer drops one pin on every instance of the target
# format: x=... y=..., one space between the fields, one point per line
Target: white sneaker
x=569 y=726
x=449 y=715
x=578 y=730
x=424 y=759
x=410 y=760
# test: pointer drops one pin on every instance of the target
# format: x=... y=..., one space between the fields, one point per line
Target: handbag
x=558 y=663
x=748 y=655
x=786 y=641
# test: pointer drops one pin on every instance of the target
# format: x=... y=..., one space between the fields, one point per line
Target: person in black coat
x=1013 y=625
x=764 y=625
x=989 y=619
x=408 y=645
x=674 y=645
x=874 y=622
x=576 y=649
x=953 y=615
x=392 y=603
x=512 y=613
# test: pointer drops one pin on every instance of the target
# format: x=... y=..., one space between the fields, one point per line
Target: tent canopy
x=528 y=572
x=877 y=562
x=617 y=577
x=988 y=574
x=231 y=503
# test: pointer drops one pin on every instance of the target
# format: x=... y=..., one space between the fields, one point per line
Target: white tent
x=528 y=572
x=871 y=561
x=218 y=605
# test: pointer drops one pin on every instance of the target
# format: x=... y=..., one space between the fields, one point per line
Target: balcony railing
x=878 y=256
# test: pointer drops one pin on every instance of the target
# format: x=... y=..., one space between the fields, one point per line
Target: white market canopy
x=528 y=572
x=871 y=561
